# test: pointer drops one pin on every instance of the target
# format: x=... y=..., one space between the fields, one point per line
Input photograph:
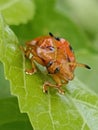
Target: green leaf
x=77 y=109
x=10 y=116
x=4 y=84
x=9 y=52
x=17 y=11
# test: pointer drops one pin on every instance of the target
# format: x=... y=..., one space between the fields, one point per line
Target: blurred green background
x=76 y=21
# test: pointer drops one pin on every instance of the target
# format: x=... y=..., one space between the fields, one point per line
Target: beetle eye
x=49 y=64
x=57 y=70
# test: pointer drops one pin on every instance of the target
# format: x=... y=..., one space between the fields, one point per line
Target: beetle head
x=64 y=71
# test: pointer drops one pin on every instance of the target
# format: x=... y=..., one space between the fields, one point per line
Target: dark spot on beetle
x=49 y=64
x=58 y=47
x=71 y=48
x=51 y=34
x=57 y=70
x=57 y=38
x=68 y=59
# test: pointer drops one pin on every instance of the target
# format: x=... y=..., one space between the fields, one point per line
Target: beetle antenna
x=80 y=65
x=83 y=65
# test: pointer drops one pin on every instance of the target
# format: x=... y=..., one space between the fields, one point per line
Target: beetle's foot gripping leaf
x=61 y=91
x=30 y=71
x=47 y=84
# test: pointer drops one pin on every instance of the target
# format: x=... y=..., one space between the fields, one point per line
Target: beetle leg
x=57 y=86
x=38 y=60
x=33 y=70
x=46 y=85
x=26 y=52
